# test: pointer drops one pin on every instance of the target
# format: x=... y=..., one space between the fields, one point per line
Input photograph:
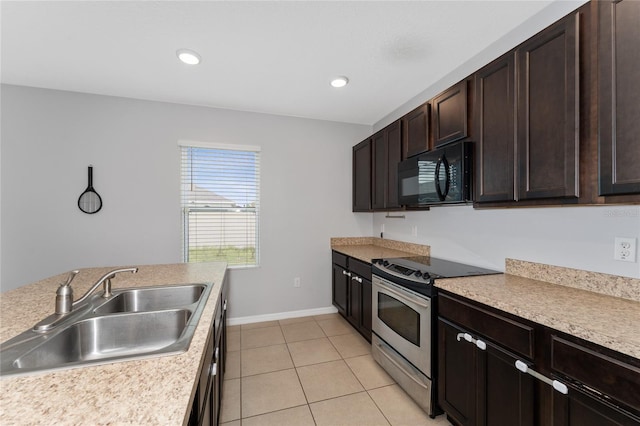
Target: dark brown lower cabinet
x=479 y=384
x=205 y=409
x=351 y=292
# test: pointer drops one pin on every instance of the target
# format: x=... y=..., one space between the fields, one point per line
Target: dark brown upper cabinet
x=495 y=137
x=415 y=131
x=387 y=151
x=449 y=115
x=362 y=176
x=548 y=112
x=619 y=97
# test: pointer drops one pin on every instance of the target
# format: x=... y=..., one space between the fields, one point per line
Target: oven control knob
x=426 y=276
x=385 y=263
x=418 y=274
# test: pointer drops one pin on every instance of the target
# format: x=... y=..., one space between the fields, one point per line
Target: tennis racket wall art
x=89 y=201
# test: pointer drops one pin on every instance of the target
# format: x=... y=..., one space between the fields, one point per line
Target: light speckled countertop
x=368 y=248
x=155 y=391
x=609 y=321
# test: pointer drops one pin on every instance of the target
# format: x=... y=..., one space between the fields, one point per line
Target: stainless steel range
x=404 y=317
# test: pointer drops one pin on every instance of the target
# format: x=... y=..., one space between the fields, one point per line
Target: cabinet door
x=394 y=155
x=380 y=170
x=362 y=177
x=367 y=308
x=449 y=115
x=340 y=289
x=354 y=313
x=619 y=97
x=507 y=394
x=579 y=409
x=457 y=375
x=387 y=151
x=415 y=131
x=495 y=118
x=548 y=112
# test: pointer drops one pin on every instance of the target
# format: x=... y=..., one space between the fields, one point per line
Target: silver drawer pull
x=214 y=369
x=224 y=308
x=357 y=279
x=466 y=336
x=346 y=273
x=559 y=386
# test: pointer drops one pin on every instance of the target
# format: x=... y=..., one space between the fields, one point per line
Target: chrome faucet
x=64 y=294
x=64 y=298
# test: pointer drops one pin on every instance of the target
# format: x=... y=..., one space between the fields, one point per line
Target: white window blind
x=220 y=187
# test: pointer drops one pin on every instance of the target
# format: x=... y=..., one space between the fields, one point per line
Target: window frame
x=185 y=209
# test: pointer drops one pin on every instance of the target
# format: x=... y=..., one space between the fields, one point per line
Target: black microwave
x=440 y=176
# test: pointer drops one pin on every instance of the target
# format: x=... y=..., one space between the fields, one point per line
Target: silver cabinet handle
x=357 y=278
x=346 y=273
x=215 y=356
x=214 y=369
x=466 y=336
x=224 y=307
x=559 y=386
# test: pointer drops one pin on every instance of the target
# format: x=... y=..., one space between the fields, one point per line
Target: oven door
x=402 y=319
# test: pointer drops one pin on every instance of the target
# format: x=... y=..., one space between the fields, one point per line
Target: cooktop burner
x=419 y=272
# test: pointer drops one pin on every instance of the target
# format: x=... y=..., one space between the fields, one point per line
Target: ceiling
x=266 y=56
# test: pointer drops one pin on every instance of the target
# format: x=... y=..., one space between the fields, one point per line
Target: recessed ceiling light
x=189 y=57
x=339 y=81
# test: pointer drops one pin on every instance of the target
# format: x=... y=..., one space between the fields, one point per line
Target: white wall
x=50 y=137
x=574 y=237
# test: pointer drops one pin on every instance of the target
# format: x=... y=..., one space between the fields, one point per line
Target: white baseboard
x=281 y=315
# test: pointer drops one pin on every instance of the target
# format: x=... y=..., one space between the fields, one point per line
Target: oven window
x=399 y=317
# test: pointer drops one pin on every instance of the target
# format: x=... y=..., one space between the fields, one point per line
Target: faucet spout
x=106 y=280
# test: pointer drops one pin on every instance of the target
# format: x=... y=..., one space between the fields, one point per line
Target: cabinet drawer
x=612 y=377
x=339 y=259
x=510 y=334
x=360 y=268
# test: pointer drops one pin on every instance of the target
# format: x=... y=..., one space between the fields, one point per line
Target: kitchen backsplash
x=611 y=285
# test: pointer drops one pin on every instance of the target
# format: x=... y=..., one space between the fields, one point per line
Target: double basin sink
x=133 y=323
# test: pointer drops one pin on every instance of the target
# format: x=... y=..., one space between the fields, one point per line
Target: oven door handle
x=403 y=296
x=400 y=367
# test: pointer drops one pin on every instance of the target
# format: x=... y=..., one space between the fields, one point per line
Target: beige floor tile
x=399 y=408
x=298 y=416
x=302 y=331
x=233 y=423
x=265 y=360
x=369 y=372
x=269 y=392
x=233 y=341
x=328 y=380
x=257 y=337
x=336 y=326
x=230 y=401
x=309 y=352
x=231 y=328
x=296 y=320
x=351 y=410
x=232 y=367
x=350 y=345
x=263 y=324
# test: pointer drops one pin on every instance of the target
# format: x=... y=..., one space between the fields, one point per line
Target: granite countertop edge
x=581 y=313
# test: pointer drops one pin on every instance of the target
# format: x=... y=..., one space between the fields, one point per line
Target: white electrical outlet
x=296 y=282
x=625 y=249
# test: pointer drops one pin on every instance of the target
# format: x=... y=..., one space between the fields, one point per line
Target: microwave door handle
x=436 y=179
x=447 y=171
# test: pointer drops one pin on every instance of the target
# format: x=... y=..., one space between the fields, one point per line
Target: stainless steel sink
x=134 y=323
x=152 y=299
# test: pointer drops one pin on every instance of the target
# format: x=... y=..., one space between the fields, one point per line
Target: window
x=220 y=193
